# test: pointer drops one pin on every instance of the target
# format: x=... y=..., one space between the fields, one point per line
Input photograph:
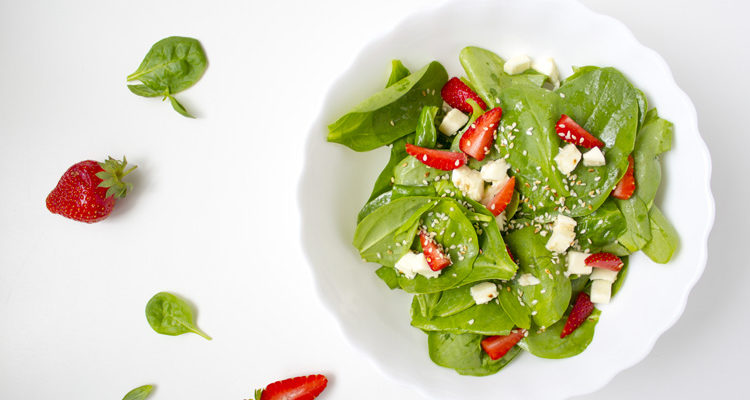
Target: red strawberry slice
x=440 y=159
x=497 y=346
x=604 y=260
x=569 y=131
x=478 y=139
x=433 y=252
x=299 y=388
x=501 y=200
x=455 y=92
x=581 y=310
x=87 y=191
x=626 y=187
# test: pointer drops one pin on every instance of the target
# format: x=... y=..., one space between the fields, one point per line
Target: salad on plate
x=510 y=202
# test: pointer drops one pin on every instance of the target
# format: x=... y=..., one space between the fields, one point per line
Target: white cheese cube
x=469 y=182
x=484 y=292
x=547 y=66
x=567 y=158
x=453 y=121
x=602 y=274
x=412 y=264
x=517 y=64
x=594 y=158
x=576 y=263
x=495 y=171
x=563 y=234
x=601 y=291
x=446 y=107
x=528 y=280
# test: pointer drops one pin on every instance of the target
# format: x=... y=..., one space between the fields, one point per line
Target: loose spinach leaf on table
x=547 y=344
x=172 y=65
x=139 y=393
x=391 y=113
x=463 y=352
x=169 y=315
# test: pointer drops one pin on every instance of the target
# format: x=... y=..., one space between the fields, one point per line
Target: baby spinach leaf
x=601 y=227
x=485 y=319
x=487 y=77
x=453 y=301
x=169 y=315
x=389 y=276
x=547 y=343
x=381 y=235
x=398 y=72
x=513 y=305
x=385 y=179
x=426 y=135
x=374 y=204
x=654 y=138
x=172 y=65
x=391 y=113
x=411 y=172
x=493 y=262
x=463 y=352
x=617 y=284
x=548 y=299
x=139 y=393
x=664 y=239
x=639 y=229
x=400 y=191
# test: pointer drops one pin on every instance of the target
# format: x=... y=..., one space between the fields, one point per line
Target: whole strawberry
x=87 y=191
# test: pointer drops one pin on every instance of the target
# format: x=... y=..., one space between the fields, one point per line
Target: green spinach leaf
x=485 y=319
x=398 y=72
x=169 y=315
x=139 y=393
x=601 y=227
x=463 y=352
x=664 y=238
x=654 y=138
x=547 y=343
x=391 y=113
x=426 y=135
x=172 y=65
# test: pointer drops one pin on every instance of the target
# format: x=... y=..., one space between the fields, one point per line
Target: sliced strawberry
x=581 y=310
x=604 y=260
x=433 y=252
x=455 y=92
x=299 y=388
x=502 y=198
x=497 y=346
x=569 y=131
x=477 y=140
x=440 y=159
x=626 y=187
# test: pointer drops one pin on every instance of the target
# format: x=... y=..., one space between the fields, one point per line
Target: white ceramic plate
x=337 y=181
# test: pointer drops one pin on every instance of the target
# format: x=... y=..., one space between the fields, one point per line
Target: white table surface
x=214 y=213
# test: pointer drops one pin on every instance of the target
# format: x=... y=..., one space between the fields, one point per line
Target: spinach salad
x=510 y=202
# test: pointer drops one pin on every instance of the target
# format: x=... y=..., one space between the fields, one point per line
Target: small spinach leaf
x=547 y=343
x=145 y=91
x=139 y=393
x=169 y=315
x=664 y=238
x=463 y=352
x=485 y=319
x=398 y=72
x=179 y=107
x=426 y=135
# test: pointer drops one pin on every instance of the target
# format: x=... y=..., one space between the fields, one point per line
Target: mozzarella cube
x=547 y=66
x=601 y=291
x=602 y=274
x=594 y=158
x=495 y=171
x=453 y=121
x=528 y=280
x=577 y=263
x=563 y=234
x=517 y=64
x=412 y=264
x=567 y=158
x=484 y=292
x=446 y=107
x=469 y=182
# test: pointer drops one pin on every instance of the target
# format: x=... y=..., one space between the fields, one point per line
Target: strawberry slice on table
x=455 y=92
x=439 y=159
x=88 y=190
x=478 y=139
x=501 y=200
x=299 y=388
x=433 y=252
x=569 y=131
x=497 y=346
x=626 y=187
x=581 y=310
x=604 y=260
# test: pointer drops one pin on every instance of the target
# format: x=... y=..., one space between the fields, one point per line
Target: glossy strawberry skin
x=626 y=187
x=78 y=196
x=498 y=346
x=455 y=92
x=480 y=136
x=581 y=310
x=569 y=131
x=433 y=253
x=503 y=197
x=299 y=388
x=438 y=159
x=604 y=260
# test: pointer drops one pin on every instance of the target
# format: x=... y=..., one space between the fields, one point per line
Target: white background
x=214 y=214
